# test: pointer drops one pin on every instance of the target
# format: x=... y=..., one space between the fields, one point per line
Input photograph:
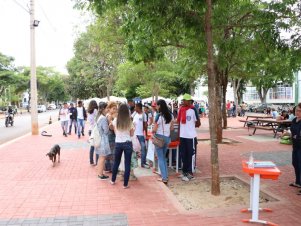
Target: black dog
x=55 y=150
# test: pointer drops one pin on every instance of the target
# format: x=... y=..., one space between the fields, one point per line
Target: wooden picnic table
x=254 y=117
x=270 y=124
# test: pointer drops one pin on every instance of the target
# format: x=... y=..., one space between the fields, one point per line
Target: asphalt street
x=22 y=124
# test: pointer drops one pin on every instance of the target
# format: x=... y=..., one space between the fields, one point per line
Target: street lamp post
x=33 y=77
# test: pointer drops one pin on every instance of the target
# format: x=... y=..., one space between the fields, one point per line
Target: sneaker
x=190 y=176
x=83 y=134
x=185 y=178
x=103 y=177
x=181 y=175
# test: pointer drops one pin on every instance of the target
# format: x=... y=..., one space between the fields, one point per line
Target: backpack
x=95 y=137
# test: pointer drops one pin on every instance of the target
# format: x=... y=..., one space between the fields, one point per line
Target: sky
x=55 y=35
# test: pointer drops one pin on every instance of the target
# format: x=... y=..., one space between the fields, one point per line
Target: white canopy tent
x=105 y=99
x=150 y=99
x=197 y=99
x=114 y=98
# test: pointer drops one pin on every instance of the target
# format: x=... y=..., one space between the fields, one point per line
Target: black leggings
x=296 y=157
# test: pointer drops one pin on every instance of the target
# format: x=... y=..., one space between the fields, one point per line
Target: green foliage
x=247 y=39
x=7 y=72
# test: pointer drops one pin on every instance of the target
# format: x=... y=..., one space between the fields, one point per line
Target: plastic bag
x=136 y=144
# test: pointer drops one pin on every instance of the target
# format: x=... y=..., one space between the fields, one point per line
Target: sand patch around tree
x=196 y=194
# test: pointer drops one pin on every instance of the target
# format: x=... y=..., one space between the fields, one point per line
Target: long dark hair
x=92 y=106
x=101 y=107
x=124 y=121
x=164 y=111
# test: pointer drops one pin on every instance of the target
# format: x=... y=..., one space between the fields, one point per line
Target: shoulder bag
x=158 y=141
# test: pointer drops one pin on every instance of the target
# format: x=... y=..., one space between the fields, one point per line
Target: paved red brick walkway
x=31 y=188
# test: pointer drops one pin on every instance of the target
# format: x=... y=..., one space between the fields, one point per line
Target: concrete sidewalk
x=32 y=192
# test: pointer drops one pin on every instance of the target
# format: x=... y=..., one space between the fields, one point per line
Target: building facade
x=281 y=94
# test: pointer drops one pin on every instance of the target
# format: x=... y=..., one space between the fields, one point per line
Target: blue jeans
x=64 y=125
x=127 y=148
x=80 y=126
x=161 y=153
x=72 y=121
x=92 y=153
x=143 y=149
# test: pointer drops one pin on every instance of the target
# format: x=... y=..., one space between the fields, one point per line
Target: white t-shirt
x=64 y=114
x=138 y=120
x=121 y=135
x=188 y=130
x=80 y=112
x=162 y=124
x=92 y=119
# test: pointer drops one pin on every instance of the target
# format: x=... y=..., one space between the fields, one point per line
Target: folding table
x=256 y=174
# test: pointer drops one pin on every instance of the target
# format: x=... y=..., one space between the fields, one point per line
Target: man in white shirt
x=140 y=123
x=64 y=117
x=188 y=120
x=81 y=117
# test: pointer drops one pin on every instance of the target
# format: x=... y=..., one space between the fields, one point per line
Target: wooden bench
x=246 y=121
x=264 y=128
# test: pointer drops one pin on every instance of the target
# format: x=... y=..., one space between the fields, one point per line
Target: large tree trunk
x=215 y=185
x=224 y=79
x=219 y=123
x=262 y=93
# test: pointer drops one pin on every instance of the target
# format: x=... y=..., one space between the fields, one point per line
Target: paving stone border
x=97 y=220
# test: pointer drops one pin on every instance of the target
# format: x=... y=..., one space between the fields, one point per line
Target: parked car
x=264 y=108
x=51 y=107
x=41 y=108
x=251 y=107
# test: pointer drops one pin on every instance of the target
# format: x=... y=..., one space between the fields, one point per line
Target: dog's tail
x=44 y=133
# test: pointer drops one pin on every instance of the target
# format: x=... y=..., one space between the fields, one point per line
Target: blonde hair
x=111 y=104
x=124 y=121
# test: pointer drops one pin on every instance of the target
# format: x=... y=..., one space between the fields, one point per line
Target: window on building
x=281 y=91
x=251 y=94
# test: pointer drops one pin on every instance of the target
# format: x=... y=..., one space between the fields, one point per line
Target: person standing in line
x=124 y=130
x=154 y=109
x=91 y=117
x=131 y=106
x=188 y=121
x=233 y=109
x=81 y=117
x=140 y=123
x=162 y=126
x=228 y=108
x=149 y=114
x=73 y=118
x=111 y=114
x=104 y=149
x=64 y=117
x=296 y=154
x=243 y=109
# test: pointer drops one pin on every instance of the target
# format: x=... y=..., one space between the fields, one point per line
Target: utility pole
x=33 y=77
